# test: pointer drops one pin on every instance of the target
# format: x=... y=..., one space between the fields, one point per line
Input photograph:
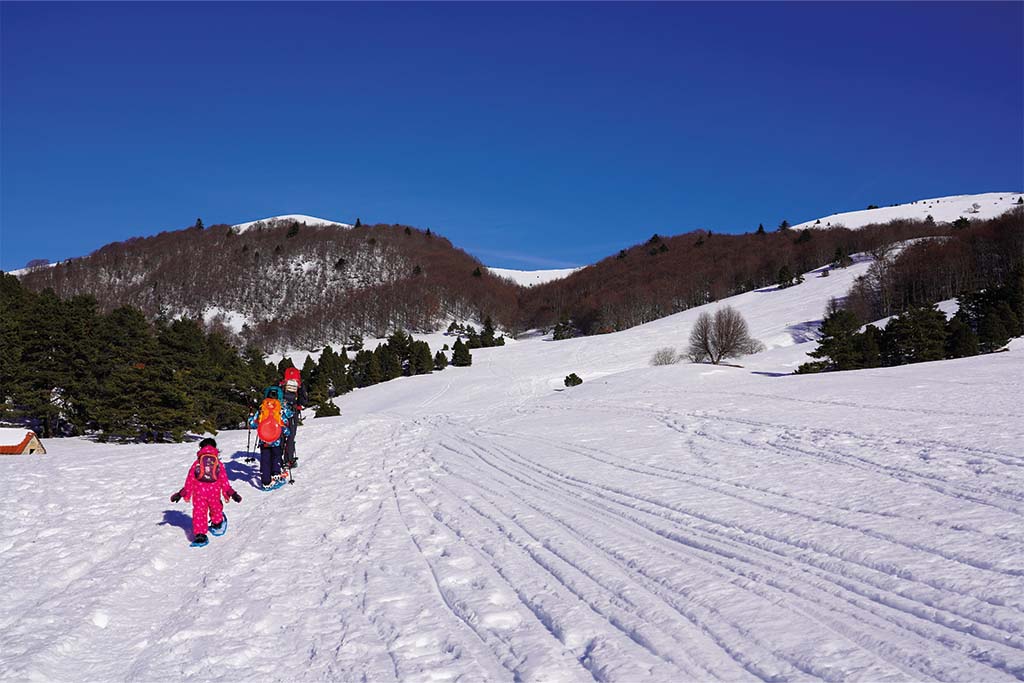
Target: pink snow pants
x=206 y=502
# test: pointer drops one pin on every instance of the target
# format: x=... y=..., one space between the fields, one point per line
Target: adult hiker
x=296 y=399
x=271 y=423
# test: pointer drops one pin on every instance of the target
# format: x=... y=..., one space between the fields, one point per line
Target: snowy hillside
x=676 y=523
x=297 y=217
x=528 y=278
x=941 y=209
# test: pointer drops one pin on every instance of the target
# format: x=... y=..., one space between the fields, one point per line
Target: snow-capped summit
x=941 y=209
x=301 y=218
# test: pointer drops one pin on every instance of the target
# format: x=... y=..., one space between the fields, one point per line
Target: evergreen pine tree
x=14 y=306
x=760 y=229
x=310 y=370
x=992 y=332
x=422 y=361
x=283 y=365
x=563 y=329
x=487 y=335
x=440 y=361
x=461 y=357
x=390 y=363
x=869 y=348
x=785 y=277
x=916 y=336
x=961 y=341
x=325 y=407
x=401 y=344
x=838 y=345
x=374 y=371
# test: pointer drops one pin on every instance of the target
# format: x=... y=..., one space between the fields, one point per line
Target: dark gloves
x=235 y=497
x=176 y=497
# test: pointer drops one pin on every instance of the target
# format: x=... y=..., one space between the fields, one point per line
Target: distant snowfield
x=941 y=209
x=301 y=218
x=528 y=278
x=680 y=523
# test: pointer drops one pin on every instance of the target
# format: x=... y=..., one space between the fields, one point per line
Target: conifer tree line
x=986 y=320
x=69 y=369
x=485 y=339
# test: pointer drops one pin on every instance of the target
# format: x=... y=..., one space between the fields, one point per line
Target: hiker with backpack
x=271 y=423
x=296 y=399
x=205 y=483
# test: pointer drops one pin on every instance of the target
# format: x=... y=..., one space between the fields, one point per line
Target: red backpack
x=208 y=465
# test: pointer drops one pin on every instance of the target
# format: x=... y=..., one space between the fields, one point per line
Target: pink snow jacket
x=193 y=485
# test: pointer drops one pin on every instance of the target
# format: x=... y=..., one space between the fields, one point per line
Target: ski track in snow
x=681 y=523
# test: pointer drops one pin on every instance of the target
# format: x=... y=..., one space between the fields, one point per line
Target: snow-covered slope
x=941 y=209
x=308 y=220
x=528 y=278
x=680 y=523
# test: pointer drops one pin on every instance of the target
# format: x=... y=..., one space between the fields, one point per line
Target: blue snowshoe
x=199 y=541
x=220 y=530
x=274 y=485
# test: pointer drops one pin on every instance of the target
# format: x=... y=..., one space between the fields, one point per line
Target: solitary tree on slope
x=724 y=335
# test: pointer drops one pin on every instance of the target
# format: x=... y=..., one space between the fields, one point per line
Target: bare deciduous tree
x=724 y=335
x=666 y=355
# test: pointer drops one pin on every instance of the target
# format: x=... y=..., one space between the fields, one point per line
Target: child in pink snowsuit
x=205 y=483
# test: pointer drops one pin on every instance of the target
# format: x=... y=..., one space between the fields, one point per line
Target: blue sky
x=532 y=135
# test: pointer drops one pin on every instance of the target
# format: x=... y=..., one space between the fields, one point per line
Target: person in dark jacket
x=296 y=399
x=271 y=423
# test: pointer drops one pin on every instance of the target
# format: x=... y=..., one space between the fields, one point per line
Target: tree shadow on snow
x=771 y=374
x=805 y=332
x=240 y=470
x=179 y=519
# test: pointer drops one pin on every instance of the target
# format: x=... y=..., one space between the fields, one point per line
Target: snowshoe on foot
x=199 y=541
x=220 y=529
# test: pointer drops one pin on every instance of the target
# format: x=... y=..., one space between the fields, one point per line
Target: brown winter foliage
x=671 y=274
x=983 y=254
x=302 y=285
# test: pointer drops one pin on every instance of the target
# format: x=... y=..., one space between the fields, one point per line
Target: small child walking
x=205 y=483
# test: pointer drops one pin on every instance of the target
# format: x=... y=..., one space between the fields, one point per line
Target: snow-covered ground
x=301 y=218
x=941 y=209
x=528 y=278
x=679 y=523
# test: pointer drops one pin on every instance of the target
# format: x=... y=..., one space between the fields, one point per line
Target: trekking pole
x=248 y=437
x=291 y=438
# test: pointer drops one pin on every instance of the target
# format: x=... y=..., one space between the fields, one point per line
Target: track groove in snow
x=662 y=524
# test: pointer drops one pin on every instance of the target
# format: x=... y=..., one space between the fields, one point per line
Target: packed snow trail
x=667 y=524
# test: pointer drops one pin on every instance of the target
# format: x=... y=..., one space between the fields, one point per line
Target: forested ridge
x=112 y=343
x=300 y=286
x=304 y=286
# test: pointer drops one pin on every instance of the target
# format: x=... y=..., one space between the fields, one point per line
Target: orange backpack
x=270 y=422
